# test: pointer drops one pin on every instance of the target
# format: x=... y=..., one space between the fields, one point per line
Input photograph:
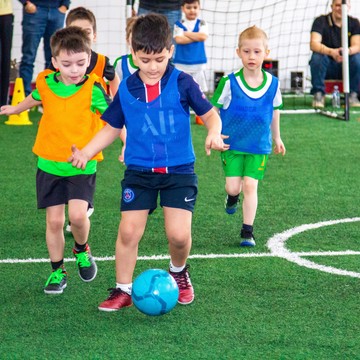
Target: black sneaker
x=56 y=282
x=247 y=238
x=86 y=264
x=230 y=209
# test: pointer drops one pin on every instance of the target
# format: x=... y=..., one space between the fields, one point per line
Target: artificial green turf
x=245 y=308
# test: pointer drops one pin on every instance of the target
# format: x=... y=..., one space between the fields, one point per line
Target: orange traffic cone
x=198 y=120
x=18 y=96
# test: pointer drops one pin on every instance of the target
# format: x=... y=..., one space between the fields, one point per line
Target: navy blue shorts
x=54 y=190
x=140 y=190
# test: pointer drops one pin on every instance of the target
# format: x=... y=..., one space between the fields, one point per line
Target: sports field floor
x=294 y=296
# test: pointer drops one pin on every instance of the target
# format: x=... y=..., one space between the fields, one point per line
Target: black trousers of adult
x=6 y=35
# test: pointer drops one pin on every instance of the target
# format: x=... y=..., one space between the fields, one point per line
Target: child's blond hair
x=253 y=32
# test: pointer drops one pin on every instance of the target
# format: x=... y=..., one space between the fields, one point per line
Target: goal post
x=345 y=54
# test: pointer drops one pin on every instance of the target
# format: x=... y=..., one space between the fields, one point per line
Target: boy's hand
x=215 y=141
x=279 y=147
x=78 y=158
x=7 y=110
x=121 y=156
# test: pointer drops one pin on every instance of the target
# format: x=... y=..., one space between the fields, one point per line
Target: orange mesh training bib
x=65 y=121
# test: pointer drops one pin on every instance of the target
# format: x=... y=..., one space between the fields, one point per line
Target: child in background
x=249 y=102
x=71 y=101
x=154 y=104
x=190 y=35
x=99 y=64
x=124 y=65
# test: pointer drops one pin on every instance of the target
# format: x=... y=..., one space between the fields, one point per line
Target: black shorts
x=57 y=190
x=140 y=190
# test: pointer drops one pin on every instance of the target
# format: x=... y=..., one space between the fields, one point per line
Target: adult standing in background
x=169 y=8
x=326 y=60
x=41 y=18
x=6 y=33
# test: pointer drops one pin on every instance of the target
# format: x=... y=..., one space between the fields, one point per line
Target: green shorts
x=237 y=163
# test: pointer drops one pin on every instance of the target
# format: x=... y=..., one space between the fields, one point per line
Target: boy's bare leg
x=55 y=241
x=80 y=223
x=233 y=185
x=131 y=230
x=178 y=231
x=80 y=226
x=250 y=201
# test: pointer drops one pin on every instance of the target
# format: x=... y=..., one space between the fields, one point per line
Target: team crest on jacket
x=128 y=195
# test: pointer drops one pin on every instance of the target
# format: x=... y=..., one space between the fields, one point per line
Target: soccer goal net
x=286 y=22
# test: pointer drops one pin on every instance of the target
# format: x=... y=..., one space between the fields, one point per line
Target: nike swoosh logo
x=188 y=200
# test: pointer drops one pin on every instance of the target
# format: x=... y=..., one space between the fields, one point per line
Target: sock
x=247 y=231
x=56 y=264
x=232 y=200
x=176 y=268
x=80 y=248
x=125 y=287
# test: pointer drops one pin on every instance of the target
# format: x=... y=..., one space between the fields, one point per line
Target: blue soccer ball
x=155 y=292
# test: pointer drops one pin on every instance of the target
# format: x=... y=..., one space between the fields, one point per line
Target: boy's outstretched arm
x=214 y=139
x=275 y=130
x=100 y=141
x=26 y=104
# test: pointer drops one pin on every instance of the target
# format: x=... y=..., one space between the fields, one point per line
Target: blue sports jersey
x=189 y=93
x=247 y=121
x=125 y=67
x=158 y=132
x=193 y=53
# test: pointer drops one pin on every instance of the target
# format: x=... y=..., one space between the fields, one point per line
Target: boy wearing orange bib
x=72 y=102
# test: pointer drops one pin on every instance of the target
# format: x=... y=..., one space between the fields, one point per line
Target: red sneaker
x=186 y=290
x=116 y=300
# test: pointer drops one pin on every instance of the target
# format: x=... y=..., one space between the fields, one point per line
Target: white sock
x=176 y=268
x=125 y=287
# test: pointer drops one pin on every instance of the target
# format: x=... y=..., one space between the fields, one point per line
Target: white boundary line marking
x=195 y=256
x=276 y=244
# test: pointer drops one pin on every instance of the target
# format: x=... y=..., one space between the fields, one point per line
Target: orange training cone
x=18 y=96
x=198 y=120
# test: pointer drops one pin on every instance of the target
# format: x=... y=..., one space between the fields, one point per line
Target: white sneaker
x=353 y=100
x=90 y=211
x=319 y=100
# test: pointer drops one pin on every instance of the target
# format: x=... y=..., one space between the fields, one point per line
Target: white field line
x=276 y=245
x=195 y=256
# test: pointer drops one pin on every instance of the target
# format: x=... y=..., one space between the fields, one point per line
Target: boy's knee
x=179 y=240
x=55 y=223
x=78 y=218
x=130 y=233
x=249 y=185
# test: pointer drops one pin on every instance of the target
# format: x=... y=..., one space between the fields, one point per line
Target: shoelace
x=56 y=277
x=115 y=292
x=182 y=278
x=82 y=259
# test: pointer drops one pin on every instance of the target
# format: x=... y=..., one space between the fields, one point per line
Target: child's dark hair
x=190 y=2
x=71 y=39
x=80 y=13
x=151 y=34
